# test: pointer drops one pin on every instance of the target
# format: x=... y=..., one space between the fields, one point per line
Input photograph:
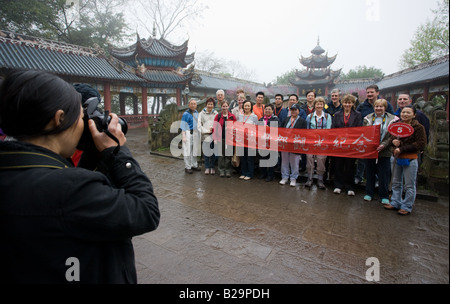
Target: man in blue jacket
x=366 y=107
x=404 y=100
x=335 y=104
x=190 y=137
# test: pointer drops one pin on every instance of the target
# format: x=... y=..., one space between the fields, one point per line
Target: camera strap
x=105 y=129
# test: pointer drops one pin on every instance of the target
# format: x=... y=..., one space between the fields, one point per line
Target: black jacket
x=51 y=214
x=299 y=124
x=355 y=120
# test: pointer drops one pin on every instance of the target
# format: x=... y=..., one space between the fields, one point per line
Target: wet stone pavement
x=228 y=231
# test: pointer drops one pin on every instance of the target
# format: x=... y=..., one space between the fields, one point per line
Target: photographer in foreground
x=58 y=223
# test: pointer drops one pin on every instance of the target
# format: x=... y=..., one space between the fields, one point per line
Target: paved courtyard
x=228 y=231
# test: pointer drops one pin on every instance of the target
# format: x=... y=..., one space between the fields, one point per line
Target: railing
x=139 y=121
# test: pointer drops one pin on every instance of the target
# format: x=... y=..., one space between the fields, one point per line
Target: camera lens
x=124 y=125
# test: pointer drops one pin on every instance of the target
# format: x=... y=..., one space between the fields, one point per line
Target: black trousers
x=344 y=177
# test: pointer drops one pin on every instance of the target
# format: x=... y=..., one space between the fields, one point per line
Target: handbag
x=403 y=162
x=235 y=160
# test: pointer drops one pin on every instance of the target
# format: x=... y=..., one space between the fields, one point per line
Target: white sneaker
x=283 y=181
x=357 y=180
x=242 y=176
x=293 y=183
x=337 y=190
x=351 y=193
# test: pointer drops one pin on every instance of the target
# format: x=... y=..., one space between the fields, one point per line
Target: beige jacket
x=384 y=136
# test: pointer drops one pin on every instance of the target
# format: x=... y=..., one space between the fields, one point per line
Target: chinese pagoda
x=318 y=76
x=161 y=63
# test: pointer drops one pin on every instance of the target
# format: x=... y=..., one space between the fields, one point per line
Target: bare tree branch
x=168 y=15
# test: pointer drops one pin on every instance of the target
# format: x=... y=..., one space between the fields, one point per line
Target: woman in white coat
x=205 y=127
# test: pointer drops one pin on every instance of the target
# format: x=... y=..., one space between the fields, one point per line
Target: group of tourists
x=398 y=158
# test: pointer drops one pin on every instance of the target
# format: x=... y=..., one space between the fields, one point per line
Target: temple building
x=150 y=73
x=162 y=64
x=318 y=76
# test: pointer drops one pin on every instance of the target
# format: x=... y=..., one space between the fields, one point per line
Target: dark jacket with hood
x=366 y=108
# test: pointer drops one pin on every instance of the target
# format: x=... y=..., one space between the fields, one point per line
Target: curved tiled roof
x=318 y=50
x=23 y=52
x=317 y=73
x=316 y=77
x=317 y=61
x=154 y=48
x=172 y=77
x=429 y=71
x=300 y=82
x=354 y=85
x=218 y=82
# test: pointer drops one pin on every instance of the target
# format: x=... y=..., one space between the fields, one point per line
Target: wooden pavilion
x=153 y=68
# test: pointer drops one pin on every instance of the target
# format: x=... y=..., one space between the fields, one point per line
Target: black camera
x=102 y=120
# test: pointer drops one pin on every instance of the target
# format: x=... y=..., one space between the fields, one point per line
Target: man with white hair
x=190 y=137
x=220 y=96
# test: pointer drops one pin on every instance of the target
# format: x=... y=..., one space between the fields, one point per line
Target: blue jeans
x=247 y=164
x=382 y=169
x=210 y=161
x=360 y=168
x=408 y=175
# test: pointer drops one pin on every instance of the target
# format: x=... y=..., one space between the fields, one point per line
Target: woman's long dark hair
x=30 y=99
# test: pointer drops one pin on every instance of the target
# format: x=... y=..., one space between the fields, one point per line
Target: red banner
x=357 y=142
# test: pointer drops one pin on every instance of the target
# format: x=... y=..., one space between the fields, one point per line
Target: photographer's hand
x=103 y=141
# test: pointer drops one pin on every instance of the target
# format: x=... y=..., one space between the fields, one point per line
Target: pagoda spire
x=154 y=30
x=318 y=74
x=318 y=50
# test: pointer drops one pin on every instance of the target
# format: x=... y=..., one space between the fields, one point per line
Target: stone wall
x=435 y=160
x=159 y=133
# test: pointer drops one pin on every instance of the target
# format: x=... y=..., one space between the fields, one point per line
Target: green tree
x=102 y=22
x=362 y=72
x=431 y=39
x=88 y=23
x=284 y=78
x=30 y=17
